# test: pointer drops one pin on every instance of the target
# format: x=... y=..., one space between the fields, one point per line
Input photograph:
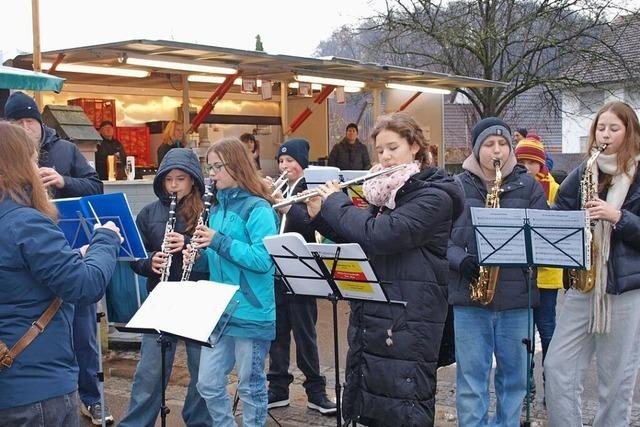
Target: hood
x=49 y=137
x=440 y=179
x=472 y=165
x=178 y=158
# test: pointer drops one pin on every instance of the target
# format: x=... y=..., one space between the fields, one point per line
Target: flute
x=314 y=193
x=279 y=183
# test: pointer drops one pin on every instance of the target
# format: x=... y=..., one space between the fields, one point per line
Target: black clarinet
x=171 y=223
x=187 y=264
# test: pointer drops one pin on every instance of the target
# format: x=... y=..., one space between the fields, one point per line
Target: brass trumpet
x=279 y=183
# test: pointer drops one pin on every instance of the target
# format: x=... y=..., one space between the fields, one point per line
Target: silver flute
x=314 y=193
x=187 y=264
x=171 y=223
x=279 y=183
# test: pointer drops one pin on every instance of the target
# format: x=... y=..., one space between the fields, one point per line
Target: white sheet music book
x=315 y=176
x=187 y=309
x=305 y=278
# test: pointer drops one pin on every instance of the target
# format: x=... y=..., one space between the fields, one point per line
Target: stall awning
x=250 y=63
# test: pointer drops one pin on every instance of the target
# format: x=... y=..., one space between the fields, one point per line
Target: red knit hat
x=530 y=149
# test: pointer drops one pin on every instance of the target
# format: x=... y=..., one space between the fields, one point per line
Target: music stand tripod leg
x=164 y=409
x=100 y=373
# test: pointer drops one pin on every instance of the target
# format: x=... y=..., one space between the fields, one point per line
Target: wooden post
x=37 y=55
x=185 y=104
x=284 y=106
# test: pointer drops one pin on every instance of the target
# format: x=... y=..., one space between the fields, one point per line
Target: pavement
x=120 y=362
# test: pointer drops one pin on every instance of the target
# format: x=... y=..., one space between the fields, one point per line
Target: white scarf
x=600 y=312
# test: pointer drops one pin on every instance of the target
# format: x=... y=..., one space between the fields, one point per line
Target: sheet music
x=317 y=175
x=557 y=238
x=500 y=237
x=188 y=309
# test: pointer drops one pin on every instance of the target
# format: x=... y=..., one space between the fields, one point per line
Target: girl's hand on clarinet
x=158 y=262
x=203 y=236
x=174 y=242
x=186 y=253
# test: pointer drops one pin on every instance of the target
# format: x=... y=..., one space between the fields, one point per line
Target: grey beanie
x=486 y=128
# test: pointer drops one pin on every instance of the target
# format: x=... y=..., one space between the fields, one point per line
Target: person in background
x=296 y=314
x=549 y=162
x=241 y=217
x=65 y=172
x=605 y=322
x=40 y=386
x=171 y=138
x=110 y=147
x=530 y=153
x=519 y=134
x=179 y=173
x=253 y=146
x=497 y=328
x=350 y=153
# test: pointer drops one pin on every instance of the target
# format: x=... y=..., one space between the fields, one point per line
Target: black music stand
x=530 y=238
x=296 y=265
x=196 y=307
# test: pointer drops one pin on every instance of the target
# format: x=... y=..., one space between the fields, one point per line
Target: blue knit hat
x=297 y=148
x=21 y=106
x=486 y=128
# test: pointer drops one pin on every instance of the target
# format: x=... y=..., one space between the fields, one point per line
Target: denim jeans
x=85 y=330
x=544 y=316
x=480 y=334
x=146 y=397
x=60 y=411
x=248 y=355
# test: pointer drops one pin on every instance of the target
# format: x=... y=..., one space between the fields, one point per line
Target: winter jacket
x=297 y=219
x=347 y=156
x=152 y=219
x=37 y=265
x=80 y=179
x=237 y=256
x=110 y=147
x=519 y=190
x=395 y=385
x=624 y=256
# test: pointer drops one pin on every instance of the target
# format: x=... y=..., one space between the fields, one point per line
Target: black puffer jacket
x=152 y=219
x=519 y=190
x=80 y=179
x=395 y=385
x=624 y=257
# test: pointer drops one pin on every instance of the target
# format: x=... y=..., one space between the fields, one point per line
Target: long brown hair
x=405 y=126
x=241 y=167
x=169 y=129
x=19 y=179
x=190 y=209
x=630 y=147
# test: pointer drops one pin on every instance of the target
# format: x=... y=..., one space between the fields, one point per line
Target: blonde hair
x=19 y=179
x=169 y=130
x=241 y=167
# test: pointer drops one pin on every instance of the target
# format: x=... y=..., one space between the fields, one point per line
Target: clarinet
x=187 y=264
x=171 y=222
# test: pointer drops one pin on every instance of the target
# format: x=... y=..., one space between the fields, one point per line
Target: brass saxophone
x=171 y=222
x=483 y=289
x=187 y=264
x=585 y=280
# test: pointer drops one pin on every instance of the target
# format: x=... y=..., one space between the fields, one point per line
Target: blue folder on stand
x=78 y=215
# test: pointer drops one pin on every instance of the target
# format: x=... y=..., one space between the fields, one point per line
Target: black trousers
x=297 y=314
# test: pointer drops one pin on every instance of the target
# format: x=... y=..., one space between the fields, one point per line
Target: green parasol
x=17 y=78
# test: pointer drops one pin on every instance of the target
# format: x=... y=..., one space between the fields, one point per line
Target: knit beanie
x=533 y=135
x=297 y=148
x=523 y=131
x=486 y=128
x=21 y=106
x=531 y=149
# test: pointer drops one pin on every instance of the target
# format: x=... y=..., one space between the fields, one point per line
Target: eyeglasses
x=215 y=168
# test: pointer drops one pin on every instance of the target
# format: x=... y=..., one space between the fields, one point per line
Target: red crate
x=97 y=110
x=136 y=142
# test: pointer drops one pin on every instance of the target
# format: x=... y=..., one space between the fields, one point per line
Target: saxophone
x=187 y=264
x=483 y=289
x=171 y=222
x=585 y=280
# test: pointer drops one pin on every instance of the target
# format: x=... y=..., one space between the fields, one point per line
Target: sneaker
x=322 y=404
x=277 y=401
x=96 y=413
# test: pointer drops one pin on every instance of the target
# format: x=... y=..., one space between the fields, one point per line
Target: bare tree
x=541 y=44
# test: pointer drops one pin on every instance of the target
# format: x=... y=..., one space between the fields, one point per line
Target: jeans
x=146 y=397
x=297 y=314
x=617 y=356
x=544 y=316
x=248 y=355
x=85 y=330
x=60 y=411
x=480 y=334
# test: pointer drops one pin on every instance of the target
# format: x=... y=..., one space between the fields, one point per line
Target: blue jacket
x=237 y=256
x=36 y=265
x=80 y=179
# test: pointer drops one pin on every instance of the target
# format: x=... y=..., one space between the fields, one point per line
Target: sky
x=285 y=26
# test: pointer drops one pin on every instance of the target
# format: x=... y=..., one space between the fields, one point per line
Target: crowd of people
x=417 y=233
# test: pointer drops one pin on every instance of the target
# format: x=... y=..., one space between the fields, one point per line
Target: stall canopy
x=19 y=79
x=175 y=58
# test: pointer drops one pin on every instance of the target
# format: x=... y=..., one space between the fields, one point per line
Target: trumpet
x=314 y=193
x=279 y=183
